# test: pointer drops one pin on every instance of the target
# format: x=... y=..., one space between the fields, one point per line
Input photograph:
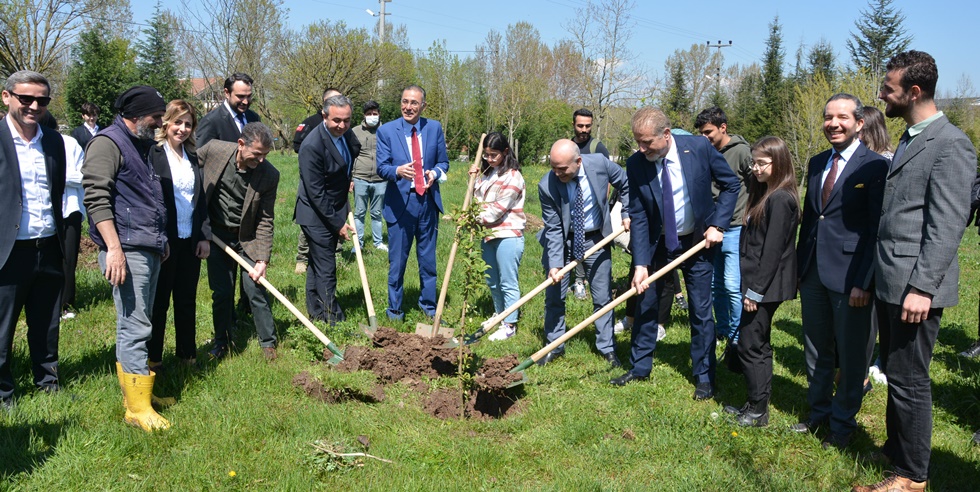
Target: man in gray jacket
x=923 y=216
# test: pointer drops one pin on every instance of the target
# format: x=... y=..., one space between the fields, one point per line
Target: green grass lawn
x=241 y=425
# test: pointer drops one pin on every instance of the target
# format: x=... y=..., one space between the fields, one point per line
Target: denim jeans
x=726 y=287
x=134 y=307
x=504 y=258
x=369 y=196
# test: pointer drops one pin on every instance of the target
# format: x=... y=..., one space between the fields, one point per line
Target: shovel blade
x=430 y=331
x=368 y=330
x=335 y=360
x=523 y=380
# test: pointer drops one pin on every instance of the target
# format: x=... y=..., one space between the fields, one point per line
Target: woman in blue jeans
x=500 y=192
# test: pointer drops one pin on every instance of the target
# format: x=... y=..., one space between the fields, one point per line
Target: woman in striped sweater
x=500 y=192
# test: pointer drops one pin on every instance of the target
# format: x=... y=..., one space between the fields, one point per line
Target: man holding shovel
x=575 y=211
x=672 y=210
x=240 y=186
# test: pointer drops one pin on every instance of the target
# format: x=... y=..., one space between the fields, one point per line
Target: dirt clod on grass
x=316 y=389
x=409 y=359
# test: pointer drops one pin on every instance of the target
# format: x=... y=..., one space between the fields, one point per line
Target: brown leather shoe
x=893 y=483
x=270 y=353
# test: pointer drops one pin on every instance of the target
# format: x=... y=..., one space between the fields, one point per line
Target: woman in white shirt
x=174 y=160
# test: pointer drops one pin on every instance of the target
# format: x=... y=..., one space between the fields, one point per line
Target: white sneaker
x=661 y=332
x=875 y=374
x=506 y=331
x=67 y=315
x=623 y=325
x=381 y=247
x=578 y=288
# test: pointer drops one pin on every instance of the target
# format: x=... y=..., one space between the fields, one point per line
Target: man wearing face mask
x=368 y=187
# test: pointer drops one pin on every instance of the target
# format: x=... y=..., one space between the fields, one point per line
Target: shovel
x=433 y=330
x=596 y=315
x=490 y=323
x=338 y=356
x=372 y=325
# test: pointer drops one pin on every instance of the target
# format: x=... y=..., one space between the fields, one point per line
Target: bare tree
x=36 y=34
x=603 y=31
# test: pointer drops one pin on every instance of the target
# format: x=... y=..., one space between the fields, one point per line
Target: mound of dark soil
x=406 y=357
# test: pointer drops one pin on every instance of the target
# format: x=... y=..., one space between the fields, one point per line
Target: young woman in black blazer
x=768 y=266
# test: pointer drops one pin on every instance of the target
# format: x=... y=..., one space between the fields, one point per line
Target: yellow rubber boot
x=156 y=401
x=138 y=391
x=122 y=383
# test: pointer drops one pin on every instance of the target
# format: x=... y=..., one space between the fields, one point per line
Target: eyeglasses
x=761 y=163
x=42 y=101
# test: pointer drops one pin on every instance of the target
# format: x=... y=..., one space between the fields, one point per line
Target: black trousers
x=73 y=237
x=906 y=353
x=32 y=280
x=178 y=279
x=755 y=354
x=321 y=277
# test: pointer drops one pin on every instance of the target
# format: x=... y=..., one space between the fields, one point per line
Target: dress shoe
x=612 y=360
x=626 y=378
x=807 y=426
x=976 y=437
x=733 y=410
x=868 y=387
x=703 y=391
x=972 y=352
x=269 y=353
x=893 y=483
x=753 y=419
x=550 y=357
x=839 y=441
x=218 y=352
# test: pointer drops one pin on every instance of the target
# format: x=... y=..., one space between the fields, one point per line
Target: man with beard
x=923 y=216
x=127 y=220
x=582 y=122
x=225 y=122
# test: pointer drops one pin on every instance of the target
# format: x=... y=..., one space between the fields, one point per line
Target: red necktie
x=828 y=184
x=417 y=163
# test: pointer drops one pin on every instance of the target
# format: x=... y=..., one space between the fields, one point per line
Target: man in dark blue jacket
x=671 y=210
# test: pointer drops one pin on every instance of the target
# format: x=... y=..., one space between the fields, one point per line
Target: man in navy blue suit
x=412 y=156
x=672 y=209
x=835 y=253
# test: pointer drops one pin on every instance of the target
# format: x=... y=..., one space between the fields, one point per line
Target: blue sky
x=941 y=27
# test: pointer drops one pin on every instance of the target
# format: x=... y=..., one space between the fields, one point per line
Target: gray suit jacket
x=923 y=216
x=555 y=237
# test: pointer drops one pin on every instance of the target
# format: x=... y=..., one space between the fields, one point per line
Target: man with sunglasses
x=32 y=181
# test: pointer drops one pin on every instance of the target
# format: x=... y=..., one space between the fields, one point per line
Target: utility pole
x=719 y=46
x=381 y=19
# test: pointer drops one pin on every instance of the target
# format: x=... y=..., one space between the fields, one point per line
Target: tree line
x=512 y=82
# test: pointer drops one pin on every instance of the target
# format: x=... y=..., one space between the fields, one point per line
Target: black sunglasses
x=42 y=101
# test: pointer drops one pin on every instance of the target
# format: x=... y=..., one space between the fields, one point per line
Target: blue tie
x=241 y=121
x=670 y=219
x=578 y=222
x=342 y=147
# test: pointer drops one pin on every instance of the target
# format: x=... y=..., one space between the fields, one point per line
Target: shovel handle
x=360 y=268
x=452 y=251
x=548 y=282
x=278 y=295
x=617 y=301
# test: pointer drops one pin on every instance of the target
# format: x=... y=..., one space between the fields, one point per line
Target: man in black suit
x=32 y=182
x=226 y=121
x=835 y=255
x=325 y=160
x=90 y=124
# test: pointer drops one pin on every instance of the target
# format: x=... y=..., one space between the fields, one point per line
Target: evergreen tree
x=821 y=60
x=100 y=70
x=677 y=103
x=880 y=36
x=157 y=58
x=768 y=116
x=746 y=104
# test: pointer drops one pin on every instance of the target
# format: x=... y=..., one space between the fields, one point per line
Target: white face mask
x=372 y=120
